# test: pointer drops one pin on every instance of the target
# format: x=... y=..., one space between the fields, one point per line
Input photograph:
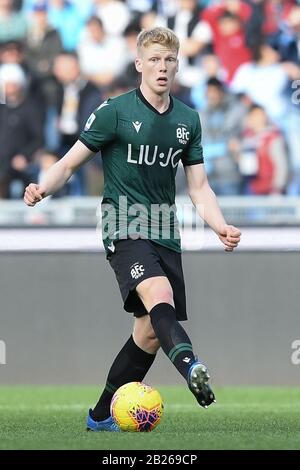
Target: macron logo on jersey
x=137 y=125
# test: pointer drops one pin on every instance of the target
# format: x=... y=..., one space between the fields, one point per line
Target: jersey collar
x=143 y=99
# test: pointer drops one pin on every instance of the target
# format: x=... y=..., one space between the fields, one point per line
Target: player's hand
x=230 y=236
x=33 y=194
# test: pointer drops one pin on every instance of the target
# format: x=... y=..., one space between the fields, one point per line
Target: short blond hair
x=163 y=36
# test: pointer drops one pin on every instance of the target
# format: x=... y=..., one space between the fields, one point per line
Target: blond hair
x=163 y=36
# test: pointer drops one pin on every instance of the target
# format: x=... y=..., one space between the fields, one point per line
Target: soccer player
x=142 y=135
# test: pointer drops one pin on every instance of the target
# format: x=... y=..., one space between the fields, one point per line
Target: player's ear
x=138 y=64
x=177 y=65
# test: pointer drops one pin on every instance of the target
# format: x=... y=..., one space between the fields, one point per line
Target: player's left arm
x=205 y=201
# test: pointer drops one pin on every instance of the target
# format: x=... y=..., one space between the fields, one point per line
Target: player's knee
x=158 y=294
x=163 y=297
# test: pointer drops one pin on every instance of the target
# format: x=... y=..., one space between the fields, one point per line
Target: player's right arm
x=99 y=131
x=56 y=177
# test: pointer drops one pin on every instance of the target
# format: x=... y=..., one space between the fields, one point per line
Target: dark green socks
x=172 y=337
x=130 y=365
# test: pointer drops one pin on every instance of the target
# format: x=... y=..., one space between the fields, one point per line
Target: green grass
x=243 y=418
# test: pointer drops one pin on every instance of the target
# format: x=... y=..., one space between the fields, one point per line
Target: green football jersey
x=141 y=149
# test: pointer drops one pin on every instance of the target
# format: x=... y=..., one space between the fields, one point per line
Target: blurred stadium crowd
x=239 y=67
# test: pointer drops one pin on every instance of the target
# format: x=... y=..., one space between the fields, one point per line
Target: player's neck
x=160 y=102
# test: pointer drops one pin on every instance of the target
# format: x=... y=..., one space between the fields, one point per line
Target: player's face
x=158 y=66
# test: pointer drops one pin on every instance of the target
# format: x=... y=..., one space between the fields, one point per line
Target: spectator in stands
x=151 y=19
x=227 y=21
x=108 y=9
x=130 y=72
x=267 y=18
x=288 y=37
x=43 y=43
x=106 y=57
x=138 y=7
x=12 y=23
x=194 y=36
x=231 y=46
x=254 y=25
x=67 y=20
x=210 y=68
x=221 y=121
x=182 y=93
x=12 y=52
x=83 y=8
x=21 y=132
x=102 y=57
x=264 y=80
x=76 y=98
x=215 y=9
x=263 y=160
x=168 y=8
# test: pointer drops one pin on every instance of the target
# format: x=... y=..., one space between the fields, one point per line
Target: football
x=136 y=407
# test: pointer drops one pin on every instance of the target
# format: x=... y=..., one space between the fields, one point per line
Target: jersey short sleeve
x=100 y=128
x=194 y=153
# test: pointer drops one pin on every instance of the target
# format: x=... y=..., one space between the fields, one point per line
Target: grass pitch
x=242 y=418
